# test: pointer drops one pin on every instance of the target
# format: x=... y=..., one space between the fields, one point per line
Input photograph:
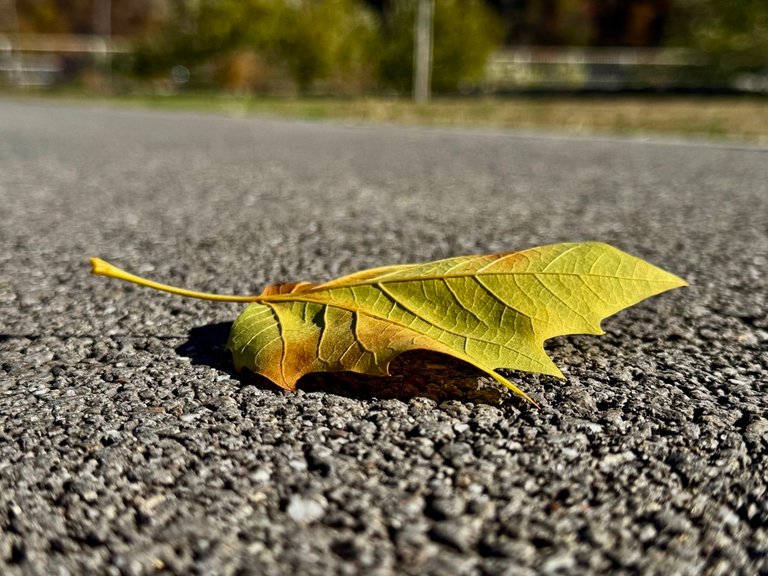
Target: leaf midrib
x=321 y=288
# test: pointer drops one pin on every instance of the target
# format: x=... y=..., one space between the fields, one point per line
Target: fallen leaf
x=491 y=311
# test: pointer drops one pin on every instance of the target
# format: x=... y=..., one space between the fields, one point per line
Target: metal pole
x=422 y=53
x=102 y=27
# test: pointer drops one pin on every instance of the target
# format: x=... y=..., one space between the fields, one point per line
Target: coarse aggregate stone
x=129 y=446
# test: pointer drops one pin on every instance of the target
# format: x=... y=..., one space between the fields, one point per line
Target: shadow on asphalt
x=418 y=373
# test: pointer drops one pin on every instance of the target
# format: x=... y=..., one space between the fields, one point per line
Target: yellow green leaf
x=492 y=311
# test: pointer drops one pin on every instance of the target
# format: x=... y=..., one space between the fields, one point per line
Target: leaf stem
x=102 y=268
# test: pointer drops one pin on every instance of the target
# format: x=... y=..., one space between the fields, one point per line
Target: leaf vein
x=566 y=304
x=464 y=306
x=282 y=338
x=556 y=258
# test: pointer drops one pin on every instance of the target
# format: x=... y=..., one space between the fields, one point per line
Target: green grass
x=732 y=117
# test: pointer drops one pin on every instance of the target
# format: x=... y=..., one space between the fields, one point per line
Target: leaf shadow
x=414 y=374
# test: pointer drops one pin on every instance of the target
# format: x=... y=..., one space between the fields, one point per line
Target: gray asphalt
x=129 y=446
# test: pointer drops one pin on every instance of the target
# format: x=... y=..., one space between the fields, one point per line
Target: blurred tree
x=77 y=16
x=54 y=16
x=628 y=22
x=464 y=34
x=196 y=33
x=312 y=39
x=583 y=22
x=733 y=32
x=198 y=30
x=324 y=39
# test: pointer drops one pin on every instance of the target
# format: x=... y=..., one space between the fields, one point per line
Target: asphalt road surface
x=129 y=446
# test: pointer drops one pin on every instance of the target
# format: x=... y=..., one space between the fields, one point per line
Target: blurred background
x=283 y=50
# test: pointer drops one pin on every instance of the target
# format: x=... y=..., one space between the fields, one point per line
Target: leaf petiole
x=103 y=268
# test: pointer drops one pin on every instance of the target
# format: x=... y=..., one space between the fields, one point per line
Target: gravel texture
x=129 y=446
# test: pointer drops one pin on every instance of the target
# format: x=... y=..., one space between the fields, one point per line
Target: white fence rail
x=38 y=59
x=591 y=68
